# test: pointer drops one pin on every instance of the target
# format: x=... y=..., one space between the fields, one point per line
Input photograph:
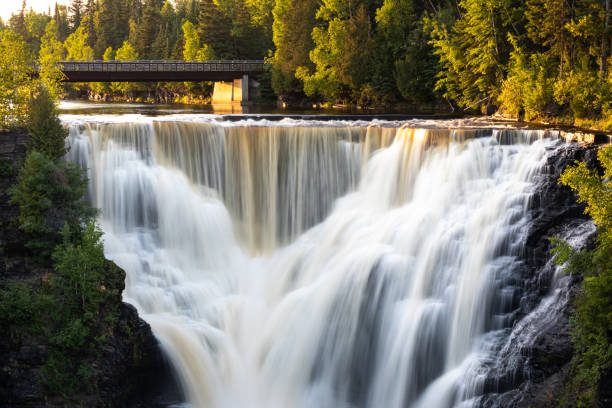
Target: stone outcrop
x=129 y=371
x=533 y=360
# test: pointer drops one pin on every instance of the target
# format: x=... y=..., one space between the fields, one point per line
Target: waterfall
x=309 y=265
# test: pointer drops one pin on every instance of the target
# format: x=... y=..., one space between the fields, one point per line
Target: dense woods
x=537 y=59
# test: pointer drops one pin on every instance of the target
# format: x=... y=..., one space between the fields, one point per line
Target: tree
x=474 y=51
x=61 y=22
x=125 y=53
x=46 y=133
x=170 y=31
x=49 y=194
x=76 y=9
x=112 y=24
x=15 y=84
x=76 y=46
x=88 y=22
x=20 y=25
x=547 y=27
x=342 y=52
x=102 y=87
x=192 y=50
x=149 y=30
x=292 y=28
x=214 y=29
x=51 y=54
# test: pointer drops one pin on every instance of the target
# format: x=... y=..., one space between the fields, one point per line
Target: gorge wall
x=130 y=371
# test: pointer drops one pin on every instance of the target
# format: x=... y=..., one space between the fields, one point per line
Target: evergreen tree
x=547 y=27
x=76 y=9
x=61 y=22
x=170 y=30
x=112 y=24
x=88 y=22
x=20 y=25
x=474 y=51
x=293 y=24
x=149 y=31
x=214 y=29
x=46 y=133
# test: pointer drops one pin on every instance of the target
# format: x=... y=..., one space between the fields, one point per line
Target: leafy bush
x=81 y=269
x=22 y=308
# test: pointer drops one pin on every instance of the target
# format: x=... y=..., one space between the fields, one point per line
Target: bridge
x=232 y=78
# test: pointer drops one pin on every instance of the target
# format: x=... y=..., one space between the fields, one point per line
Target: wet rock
x=532 y=364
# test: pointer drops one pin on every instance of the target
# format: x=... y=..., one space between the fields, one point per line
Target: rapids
x=304 y=264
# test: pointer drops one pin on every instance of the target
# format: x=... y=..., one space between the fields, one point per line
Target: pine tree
x=149 y=30
x=88 y=21
x=214 y=28
x=76 y=9
x=546 y=27
x=61 y=21
x=46 y=133
x=20 y=26
x=292 y=28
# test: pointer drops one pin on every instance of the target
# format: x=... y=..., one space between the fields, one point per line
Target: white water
x=310 y=266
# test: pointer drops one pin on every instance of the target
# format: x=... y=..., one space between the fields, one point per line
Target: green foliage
x=49 y=194
x=474 y=50
x=84 y=281
x=46 y=133
x=529 y=85
x=15 y=86
x=192 y=50
x=584 y=92
x=76 y=46
x=22 y=309
x=293 y=23
x=342 y=52
x=125 y=53
x=592 y=320
x=51 y=54
x=81 y=269
x=148 y=44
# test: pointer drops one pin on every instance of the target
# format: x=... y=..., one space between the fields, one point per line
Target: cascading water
x=300 y=265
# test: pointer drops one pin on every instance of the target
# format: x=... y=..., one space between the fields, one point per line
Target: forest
x=534 y=59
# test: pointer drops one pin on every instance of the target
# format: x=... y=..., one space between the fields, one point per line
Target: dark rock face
x=532 y=360
x=130 y=370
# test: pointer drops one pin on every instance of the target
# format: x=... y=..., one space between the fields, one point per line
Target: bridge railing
x=163 y=66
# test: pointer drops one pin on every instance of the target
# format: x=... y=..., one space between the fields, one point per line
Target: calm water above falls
x=303 y=264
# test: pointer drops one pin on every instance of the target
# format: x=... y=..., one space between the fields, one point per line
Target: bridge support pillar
x=231 y=95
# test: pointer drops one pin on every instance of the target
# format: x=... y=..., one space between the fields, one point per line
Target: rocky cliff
x=129 y=370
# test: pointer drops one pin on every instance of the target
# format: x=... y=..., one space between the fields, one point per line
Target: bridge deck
x=165 y=70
